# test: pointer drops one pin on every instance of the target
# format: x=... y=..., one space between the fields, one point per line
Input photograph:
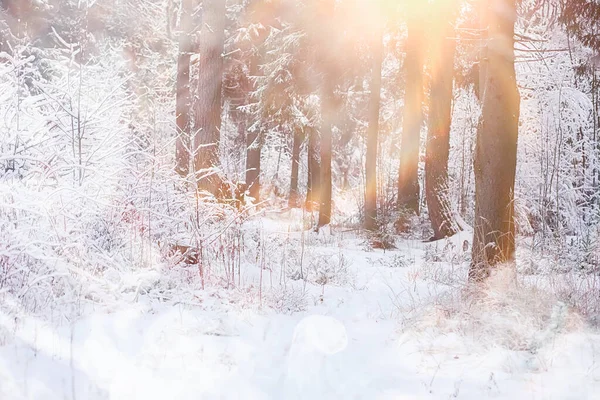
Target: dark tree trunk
x=372 y=136
x=496 y=149
x=208 y=104
x=438 y=135
x=314 y=169
x=182 y=106
x=408 y=174
x=294 y=200
x=326 y=185
x=329 y=59
x=253 y=146
x=253 y=143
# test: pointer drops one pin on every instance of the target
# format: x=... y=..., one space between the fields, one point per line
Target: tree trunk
x=372 y=136
x=408 y=174
x=326 y=185
x=208 y=103
x=438 y=135
x=253 y=141
x=314 y=169
x=182 y=106
x=496 y=149
x=329 y=60
x=253 y=146
x=294 y=200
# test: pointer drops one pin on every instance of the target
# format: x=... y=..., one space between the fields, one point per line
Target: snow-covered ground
x=365 y=324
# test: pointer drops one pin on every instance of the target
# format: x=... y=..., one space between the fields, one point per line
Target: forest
x=299 y=199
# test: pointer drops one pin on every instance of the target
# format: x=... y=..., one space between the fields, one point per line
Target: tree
x=283 y=89
x=208 y=102
x=327 y=52
x=441 y=50
x=294 y=199
x=582 y=18
x=313 y=170
x=408 y=174
x=496 y=148
x=183 y=98
x=253 y=151
x=372 y=135
x=328 y=116
x=247 y=102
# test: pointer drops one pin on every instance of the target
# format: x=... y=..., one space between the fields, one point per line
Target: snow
x=91 y=306
x=379 y=333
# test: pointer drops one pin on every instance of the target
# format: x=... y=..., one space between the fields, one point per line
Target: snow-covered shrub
x=451 y=274
x=328 y=269
x=397 y=260
x=578 y=290
x=451 y=251
x=62 y=149
x=87 y=188
x=514 y=314
x=288 y=299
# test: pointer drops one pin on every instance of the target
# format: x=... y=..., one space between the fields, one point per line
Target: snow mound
x=324 y=334
x=316 y=340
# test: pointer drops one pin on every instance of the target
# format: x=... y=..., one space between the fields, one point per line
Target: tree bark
x=254 y=142
x=294 y=200
x=329 y=105
x=183 y=99
x=326 y=185
x=408 y=174
x=372 y=136
x=496 y=149
x=438 y=135
x=208 y=104
x=314 y=170
x=253 y=150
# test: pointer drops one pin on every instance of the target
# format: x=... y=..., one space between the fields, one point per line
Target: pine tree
x=248 y=48
x=582 y=19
